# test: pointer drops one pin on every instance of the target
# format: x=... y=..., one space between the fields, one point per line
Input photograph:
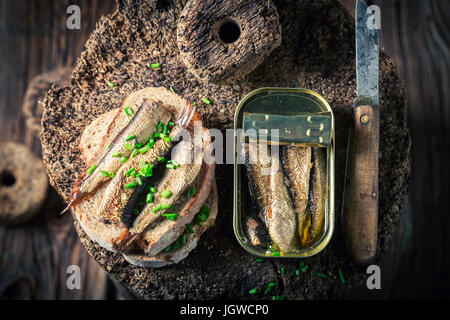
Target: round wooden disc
x=317 y=52
x=23 y=183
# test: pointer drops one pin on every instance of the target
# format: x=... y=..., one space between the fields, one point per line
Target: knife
x=360 y=210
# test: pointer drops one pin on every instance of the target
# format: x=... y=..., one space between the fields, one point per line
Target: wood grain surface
x=34 y=257
x=34 y=38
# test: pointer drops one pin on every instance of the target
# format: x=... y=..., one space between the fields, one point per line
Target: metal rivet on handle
x=365 y=119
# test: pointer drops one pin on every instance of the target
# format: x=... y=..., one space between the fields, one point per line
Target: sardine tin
x=303 y=117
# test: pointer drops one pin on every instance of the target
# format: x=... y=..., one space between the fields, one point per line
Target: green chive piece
x=321 y=275
x=168 y=249
x=143 y=150
x=194 y=103
x=116 y=155
x=135 y=152
x=129 y=147
x=171 y=123
x=189 y=229
x=161 y=159
x=205 y=100
x=139 y=180
x=167 y=139
x=158 y=127
x=165 y=206
x=112 y=85
x=149 y=198
x=341 y=276
x=184 y=238
x=123 y=159
x=297 y=272
x=128 y=111
x=166 y=194
x=270 y=285
x=142 y=163
x=155 y=66
x=259 y=260
x=152 y=190
x=191 y=192
x=131 y=185
x=170 y=166
x=105 y=173
x=282 y=271
x=130 y=138
x=138 y=145
x=164 y=129
x=305 y=268
x=92 y=168
x=253 y=291
x=171 y=89
x=157 y=134
x=278 y=297
x=170 y=216
x=275 y=254
x=136 y=212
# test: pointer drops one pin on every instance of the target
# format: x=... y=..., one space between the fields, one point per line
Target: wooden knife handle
x=362 y=215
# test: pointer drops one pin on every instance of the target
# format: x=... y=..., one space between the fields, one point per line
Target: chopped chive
x=167 y=139
x=130 y=138
x=176 y=245
x=305 y=268
x=123 y=159
x=92 y=168
x=143 y=150
x=155 y=66
x=138 y=145
x=205 y=100
x=259 y=260
x=171 y=89
x=128 y=111
x=129 y=147
x=149 y=198
x=158 y=127
x=189 y=229
x=168 y=249
x=139 y=180
x=282 y=271
x=341 y=276
x=205 y=210
x=321 y=275
x=164 y=129
x=194 y=103
x=171 y=123
x=170 y=166
x=116 y=155
x=105 y=173
x=142 y=163
x=191 y=192
x=135 y=152
x=131 y=185
x=297 y=272
x=165 y=206
x=253 y=291
x=157 y=134
x=161 y=159
x=166 y=194
x=270 y=285
x=184 y=238
x=278 y=297
x=112 y=85
x=153 y=190
x=275 y=254
x=136 y=212
x=170 y=216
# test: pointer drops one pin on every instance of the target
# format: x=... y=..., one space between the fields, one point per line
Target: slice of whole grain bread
x=93 y=140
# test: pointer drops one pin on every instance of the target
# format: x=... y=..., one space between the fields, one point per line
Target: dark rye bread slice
x=317 y=52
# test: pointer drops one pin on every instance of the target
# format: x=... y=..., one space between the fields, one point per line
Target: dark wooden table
x=33 y=38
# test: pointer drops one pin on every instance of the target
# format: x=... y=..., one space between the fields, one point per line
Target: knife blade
x=360 y=210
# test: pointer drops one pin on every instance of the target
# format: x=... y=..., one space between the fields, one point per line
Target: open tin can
x=299 y=117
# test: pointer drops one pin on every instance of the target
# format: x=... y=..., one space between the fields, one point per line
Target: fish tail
x=124 y=240
x=186 y=115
